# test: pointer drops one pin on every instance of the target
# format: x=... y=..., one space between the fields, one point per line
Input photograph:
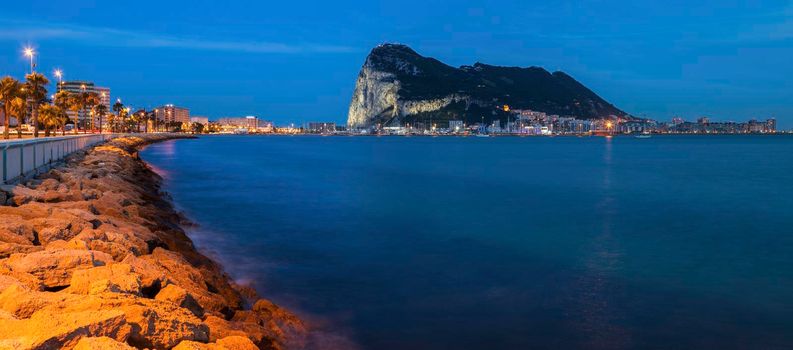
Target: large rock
x=177 y=295
x=228 y=343
x=396 y=85
x=100 y=343
x=15 y=229
x=117 y=278
x=54 y=268
x=46 y=330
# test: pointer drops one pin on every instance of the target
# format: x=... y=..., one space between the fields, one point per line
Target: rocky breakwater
x=92 y=256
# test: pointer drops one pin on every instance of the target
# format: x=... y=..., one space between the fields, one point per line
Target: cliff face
x=93 y=257
x=397 y=85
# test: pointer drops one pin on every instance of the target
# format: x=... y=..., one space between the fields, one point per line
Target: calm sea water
x=676 y=242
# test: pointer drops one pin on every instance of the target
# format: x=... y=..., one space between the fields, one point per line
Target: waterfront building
x=703 y=120
x=81 y=86
x=770 y=125
x=170 y=113
x=456 y=126
x=199 y=119
x=495 y=127
x=637 y=126
x=321 y=127
x=244 y=124
x=104 y=96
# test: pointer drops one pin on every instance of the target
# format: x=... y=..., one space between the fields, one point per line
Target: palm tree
x=118 y=107
x=75 y=104
x=36 y=87
x=100 y=111
x=62 y=119
x=137 y=117
x=19 y=109
x=49 y=117
x=9 y=90
x=63 y=99
x=91 y=100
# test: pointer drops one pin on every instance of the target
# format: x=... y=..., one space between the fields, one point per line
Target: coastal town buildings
x=456 y=126
x=321 y=127
x=82 y=86
x=247 y=124
x=199 y=120
x=170 y=114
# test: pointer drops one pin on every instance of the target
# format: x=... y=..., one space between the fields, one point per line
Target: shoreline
x=93 y=255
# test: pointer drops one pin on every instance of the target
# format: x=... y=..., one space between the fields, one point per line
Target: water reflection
x=600 y=317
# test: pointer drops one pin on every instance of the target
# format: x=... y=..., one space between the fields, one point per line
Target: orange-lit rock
x=93 y=257
x=97 y=343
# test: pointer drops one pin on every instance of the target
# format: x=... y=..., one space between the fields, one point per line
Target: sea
x=669 y=242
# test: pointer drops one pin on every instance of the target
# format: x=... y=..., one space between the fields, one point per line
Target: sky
x=297 y=61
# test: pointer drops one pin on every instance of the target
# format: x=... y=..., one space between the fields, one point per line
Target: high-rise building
x=170 y=113
x=81 y=86
x=104 y=96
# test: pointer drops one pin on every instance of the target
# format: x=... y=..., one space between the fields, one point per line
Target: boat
x=643 y=136
x=482 y=135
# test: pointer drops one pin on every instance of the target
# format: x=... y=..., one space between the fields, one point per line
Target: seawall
x=92 y=256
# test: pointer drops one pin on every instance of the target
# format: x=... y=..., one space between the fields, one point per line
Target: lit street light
x=30 y=54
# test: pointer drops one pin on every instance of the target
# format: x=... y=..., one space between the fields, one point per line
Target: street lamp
x=59 y=74
x=30 y=53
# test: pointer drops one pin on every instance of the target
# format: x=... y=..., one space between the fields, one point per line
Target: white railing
x=19 y=158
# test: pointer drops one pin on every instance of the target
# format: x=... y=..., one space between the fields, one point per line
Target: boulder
x=115 y=277
x=228 y=343
x=100 y=343
x=54 y=268
x=177 y=295
x=61 y=330
x=270 y=323
x=221 y=328
x=8 y=249
x=15 y=229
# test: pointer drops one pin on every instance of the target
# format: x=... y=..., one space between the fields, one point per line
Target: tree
x=36 y=88
x=50 y=117
x=9 y=90
x=75 y=103
x=100 y=111
x=91 y=100
x=64 y=99
x=198 y=128
x=118 y=107
x=138 y=117
x=19 y=109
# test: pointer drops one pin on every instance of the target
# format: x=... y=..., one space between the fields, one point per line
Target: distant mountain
x=397 y=85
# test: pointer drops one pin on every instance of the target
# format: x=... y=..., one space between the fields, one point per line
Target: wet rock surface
x=92 y=257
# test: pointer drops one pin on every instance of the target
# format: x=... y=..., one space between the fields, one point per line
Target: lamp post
x=85 y=126
x=104 y=96
x=30 y=53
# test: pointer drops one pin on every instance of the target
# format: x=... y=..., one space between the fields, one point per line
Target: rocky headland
x=396 y=85
x=93 y=256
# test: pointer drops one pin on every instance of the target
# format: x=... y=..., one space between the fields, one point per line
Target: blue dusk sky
x=293 y=61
